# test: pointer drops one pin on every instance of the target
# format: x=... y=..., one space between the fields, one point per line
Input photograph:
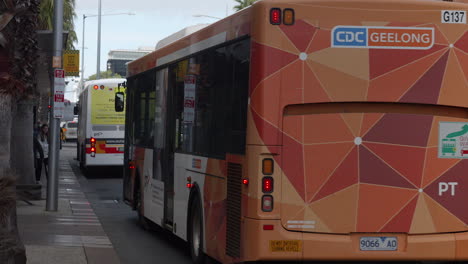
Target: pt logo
x=447 y=186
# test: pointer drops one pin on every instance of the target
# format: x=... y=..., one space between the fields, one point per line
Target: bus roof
x=231 y=27
x=104 y=81
x=240 y=24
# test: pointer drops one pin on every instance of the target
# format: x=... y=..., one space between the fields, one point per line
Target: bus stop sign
x=59 y=93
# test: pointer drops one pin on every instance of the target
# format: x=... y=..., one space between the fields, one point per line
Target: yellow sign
x=285 y=245
x=71 y=62
x=103 y=108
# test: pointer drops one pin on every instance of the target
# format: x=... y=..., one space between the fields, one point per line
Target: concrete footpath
x=73 y=234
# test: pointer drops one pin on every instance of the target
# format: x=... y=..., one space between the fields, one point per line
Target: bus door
x=163 y=159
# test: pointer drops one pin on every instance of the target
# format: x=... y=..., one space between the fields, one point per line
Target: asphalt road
x=133 y=244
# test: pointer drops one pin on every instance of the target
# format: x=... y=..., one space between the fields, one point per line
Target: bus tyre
x=196 y=232
x=81 y=157
x=139 y=208
x=77 y=150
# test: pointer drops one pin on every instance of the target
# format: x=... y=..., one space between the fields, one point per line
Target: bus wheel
x=196 y=232
x=82 y=157
x=77 y=150
x=139 y=204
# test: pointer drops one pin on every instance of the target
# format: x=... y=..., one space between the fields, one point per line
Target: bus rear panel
x=101 y=129
x=361 y=106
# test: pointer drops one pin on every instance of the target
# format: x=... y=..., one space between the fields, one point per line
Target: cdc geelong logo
x=382 y=37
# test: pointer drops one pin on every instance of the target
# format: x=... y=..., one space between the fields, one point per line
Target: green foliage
x=46 y=19
x=105 y=75
x=243 y=4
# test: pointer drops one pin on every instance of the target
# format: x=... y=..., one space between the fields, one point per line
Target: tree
x=46 y=19
x=243 y=4
x=105 y=75
x=18 y=55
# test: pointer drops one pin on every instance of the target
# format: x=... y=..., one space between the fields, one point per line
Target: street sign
x=56 y=62
x=71 y=62
x=59 y=93
x=190 y=83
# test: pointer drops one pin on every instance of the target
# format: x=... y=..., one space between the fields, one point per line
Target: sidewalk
x=73 y=234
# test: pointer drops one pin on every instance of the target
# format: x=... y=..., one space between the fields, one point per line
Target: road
x=133 y=244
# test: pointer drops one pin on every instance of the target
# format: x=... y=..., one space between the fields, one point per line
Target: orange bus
x=307 y=130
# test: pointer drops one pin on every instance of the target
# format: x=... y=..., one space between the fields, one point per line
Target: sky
x=152 y=21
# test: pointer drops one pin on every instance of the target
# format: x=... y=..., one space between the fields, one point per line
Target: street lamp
x=98 y=70
x=83 y=41
x=207 y=16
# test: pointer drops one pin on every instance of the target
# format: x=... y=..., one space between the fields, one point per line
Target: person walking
x=41 y=149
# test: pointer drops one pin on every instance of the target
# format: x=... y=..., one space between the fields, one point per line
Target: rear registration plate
x=378 y=243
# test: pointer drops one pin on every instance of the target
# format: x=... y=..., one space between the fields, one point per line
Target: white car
x=69 y=130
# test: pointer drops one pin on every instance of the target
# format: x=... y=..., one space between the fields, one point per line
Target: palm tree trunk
x=5 y=131
x=11 y=247
x=22 y=158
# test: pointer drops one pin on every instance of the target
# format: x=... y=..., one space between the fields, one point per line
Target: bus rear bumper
x=282 y=245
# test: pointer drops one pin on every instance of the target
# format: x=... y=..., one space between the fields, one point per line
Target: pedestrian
x=41 y=151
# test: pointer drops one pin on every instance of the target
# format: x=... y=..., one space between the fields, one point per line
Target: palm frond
x=243 y=4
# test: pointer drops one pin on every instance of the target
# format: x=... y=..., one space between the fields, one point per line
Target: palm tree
x=46 y=22
x=243 y=4
x=46 y=19
x=18 y=55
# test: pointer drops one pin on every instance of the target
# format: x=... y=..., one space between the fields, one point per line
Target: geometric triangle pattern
x=361 y=171
x=374 y=170
x=402 y=221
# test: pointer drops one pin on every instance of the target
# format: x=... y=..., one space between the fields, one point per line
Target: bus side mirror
x=75 y=110
x=119 y=101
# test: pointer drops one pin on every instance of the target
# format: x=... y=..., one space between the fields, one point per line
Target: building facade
x=117 y=59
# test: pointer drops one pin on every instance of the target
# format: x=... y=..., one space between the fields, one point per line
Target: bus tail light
x=268 y=227
x=93 y=147
x=95 y=87
x=275 y=16
x=267 y=184
x=267 y=203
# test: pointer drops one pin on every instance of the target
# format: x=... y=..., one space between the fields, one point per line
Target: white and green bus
x=100 y=139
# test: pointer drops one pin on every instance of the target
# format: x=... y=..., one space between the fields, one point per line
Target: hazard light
x=288 y=16
x=267 y=166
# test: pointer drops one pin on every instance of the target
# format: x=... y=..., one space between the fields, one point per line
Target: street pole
x=98 y=71
x=82 y=55
x=52 y=181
